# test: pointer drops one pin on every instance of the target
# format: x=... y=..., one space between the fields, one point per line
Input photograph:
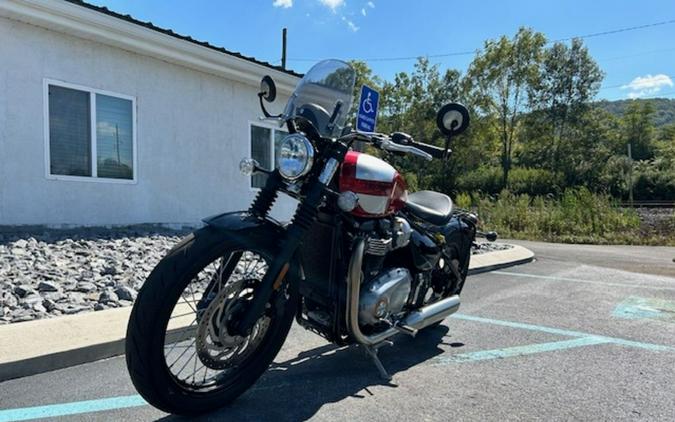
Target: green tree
x=569 y=79
x=500 y=78
x=638 y=129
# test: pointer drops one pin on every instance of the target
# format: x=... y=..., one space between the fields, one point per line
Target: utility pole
x=283 y=48
x=630 y=176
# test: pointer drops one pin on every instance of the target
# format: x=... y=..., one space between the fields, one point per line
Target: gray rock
x=19 y=252
x=49 y=304
x=108 y=296
x=31 y=300
x=39 y=308
x=23 y=290
x=109 y=270
x=48 y=286
x=85 y=286
x=55 y=296
x=126 y=293
x=21 y=243
x=8 y=299
x=99 y=307
x=71 y=309
x=23 y=316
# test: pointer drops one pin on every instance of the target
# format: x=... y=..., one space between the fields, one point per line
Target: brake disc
x=216 y=347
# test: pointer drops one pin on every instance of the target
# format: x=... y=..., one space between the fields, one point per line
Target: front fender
x=245 y=227
x=243 y=224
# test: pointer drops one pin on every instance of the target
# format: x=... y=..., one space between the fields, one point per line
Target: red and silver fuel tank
x=380 y=188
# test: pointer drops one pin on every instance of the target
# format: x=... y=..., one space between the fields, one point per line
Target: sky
x=638 y=63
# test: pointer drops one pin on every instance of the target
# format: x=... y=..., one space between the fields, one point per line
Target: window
x=90 y=134
x=264 y=146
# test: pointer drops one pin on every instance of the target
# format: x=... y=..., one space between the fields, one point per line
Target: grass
x=577 y=216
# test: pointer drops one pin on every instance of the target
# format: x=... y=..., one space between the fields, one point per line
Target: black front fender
x=245 y=227
x=242 y=224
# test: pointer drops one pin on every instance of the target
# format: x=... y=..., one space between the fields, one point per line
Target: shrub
x=577 y=216
x=521 y=181
x=484 y=179
x=534 y=181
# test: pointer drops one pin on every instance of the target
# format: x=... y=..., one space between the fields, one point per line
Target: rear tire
x=146 y=333
x=457 y=285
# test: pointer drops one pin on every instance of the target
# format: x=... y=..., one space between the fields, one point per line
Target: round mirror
x=268 y=90
x=452 y=119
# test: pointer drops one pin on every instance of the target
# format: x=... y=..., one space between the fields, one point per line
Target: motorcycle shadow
x=295 y=389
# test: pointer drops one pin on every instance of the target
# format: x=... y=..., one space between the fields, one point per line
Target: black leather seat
x=432 y=207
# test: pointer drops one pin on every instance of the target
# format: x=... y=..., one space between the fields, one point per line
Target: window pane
x=261 y=152
x=69 y=132
x=114 y=137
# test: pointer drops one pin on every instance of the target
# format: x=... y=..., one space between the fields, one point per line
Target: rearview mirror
x=268 y=90
x=452 y=119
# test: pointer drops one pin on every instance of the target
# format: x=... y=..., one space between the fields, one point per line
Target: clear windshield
x=324 y=96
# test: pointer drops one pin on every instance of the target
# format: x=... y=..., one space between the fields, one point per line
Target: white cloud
x=332 y=4
x=283 y=3
x=371 y=4
x=363 y=12
x=350 y=24
x=647 y=85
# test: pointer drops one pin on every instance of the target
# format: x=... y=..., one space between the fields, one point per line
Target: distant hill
x=665 y=109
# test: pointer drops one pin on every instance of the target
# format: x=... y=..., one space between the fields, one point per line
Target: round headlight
x=296 y=155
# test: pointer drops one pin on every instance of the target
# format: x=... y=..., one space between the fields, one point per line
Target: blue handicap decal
x=366 y=119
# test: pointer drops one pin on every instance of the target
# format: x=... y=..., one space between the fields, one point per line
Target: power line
x=467 y=52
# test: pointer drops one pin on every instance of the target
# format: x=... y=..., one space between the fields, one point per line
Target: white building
x=105 y=120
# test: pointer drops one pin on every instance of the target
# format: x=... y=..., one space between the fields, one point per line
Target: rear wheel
x=180 y=354
x=446 y=283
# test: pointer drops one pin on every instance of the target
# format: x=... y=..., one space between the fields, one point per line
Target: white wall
x=192 y=130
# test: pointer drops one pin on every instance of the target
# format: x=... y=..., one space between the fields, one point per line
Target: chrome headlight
x=296 y=156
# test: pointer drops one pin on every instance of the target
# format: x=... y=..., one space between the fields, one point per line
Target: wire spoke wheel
x=199 y=350
x=181 y=353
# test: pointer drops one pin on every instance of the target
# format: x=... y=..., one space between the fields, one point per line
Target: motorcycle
x=361 y=261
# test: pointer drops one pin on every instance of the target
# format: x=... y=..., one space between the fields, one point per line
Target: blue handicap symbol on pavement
x=366 y=119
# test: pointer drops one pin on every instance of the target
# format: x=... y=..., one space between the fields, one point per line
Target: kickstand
x=372 y=352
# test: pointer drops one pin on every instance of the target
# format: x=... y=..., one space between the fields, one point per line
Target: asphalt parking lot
x=580 y=334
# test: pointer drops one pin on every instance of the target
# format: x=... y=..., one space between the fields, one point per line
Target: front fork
x=303 y=219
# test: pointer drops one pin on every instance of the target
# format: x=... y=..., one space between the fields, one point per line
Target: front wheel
x=179 y=352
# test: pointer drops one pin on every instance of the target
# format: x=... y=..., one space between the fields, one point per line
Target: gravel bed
x=485 y=247
x=52 y=274
x=67 y=272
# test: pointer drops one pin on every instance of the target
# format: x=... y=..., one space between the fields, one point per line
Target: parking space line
x=568 y=333
x=529 y=349
x=583 y=339
x=578 y=280
x=74 y=408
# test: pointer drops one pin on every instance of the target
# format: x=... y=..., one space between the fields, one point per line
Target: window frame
x=273 y=128
x=92 y=113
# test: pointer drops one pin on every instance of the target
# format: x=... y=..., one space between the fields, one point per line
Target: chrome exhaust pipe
x=417 y=320
x=353 y=290
x=433 y=313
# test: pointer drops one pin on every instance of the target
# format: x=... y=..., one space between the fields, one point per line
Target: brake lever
x=388 y=145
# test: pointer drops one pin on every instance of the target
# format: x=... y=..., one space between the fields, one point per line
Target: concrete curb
x=34 y=347
x=497 y=260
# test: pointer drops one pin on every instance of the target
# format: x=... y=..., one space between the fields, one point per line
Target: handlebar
x=398 y=142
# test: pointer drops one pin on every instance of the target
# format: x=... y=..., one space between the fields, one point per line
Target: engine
x=385 y=291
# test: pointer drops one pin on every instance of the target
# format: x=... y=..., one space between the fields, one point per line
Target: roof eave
x=90 y=24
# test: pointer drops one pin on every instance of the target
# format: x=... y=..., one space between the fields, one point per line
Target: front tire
x=162 y=302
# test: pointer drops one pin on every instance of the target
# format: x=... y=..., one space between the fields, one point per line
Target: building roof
x=153 y=27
